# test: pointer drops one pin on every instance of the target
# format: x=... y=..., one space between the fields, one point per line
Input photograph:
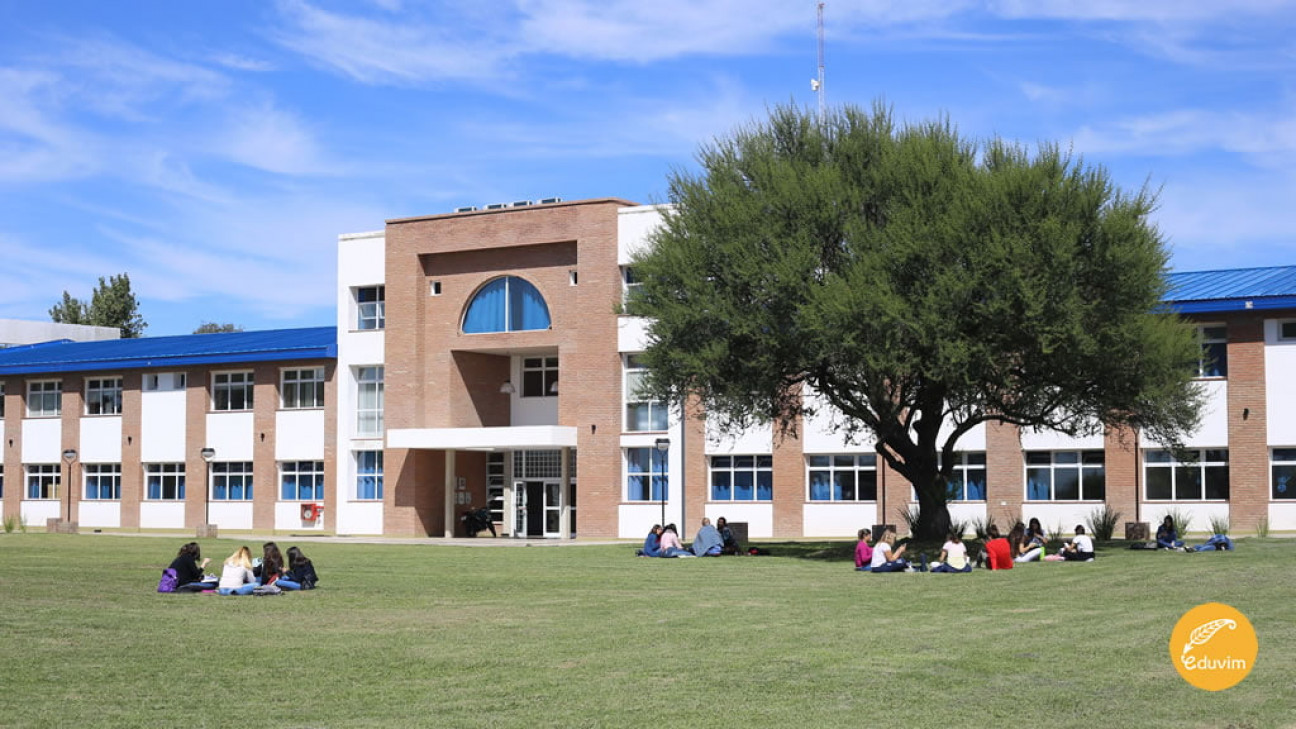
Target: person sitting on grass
x=272 y=564
x=998 y=552
x=729 y=544
x=1217 y=542
x=236 y=574
x=885 y=558
x=1167 y=537
x=301 y=572
x=671 y=545
x=863 y=552
x=1080 y=548
x=1032 y=543
x=652 y=543
x=953 y=556
x=707 y=543
x=189 y=571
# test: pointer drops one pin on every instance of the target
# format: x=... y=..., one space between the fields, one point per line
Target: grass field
x=437 y=636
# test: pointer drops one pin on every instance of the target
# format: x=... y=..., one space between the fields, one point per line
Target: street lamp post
x=663 y=446
x=69 y=456
x=208 y=454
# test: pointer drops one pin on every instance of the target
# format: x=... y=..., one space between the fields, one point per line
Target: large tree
x=918 y=284
x=211 y=327
x=112 y=304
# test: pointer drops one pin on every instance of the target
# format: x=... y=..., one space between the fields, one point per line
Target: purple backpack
x=169 y=581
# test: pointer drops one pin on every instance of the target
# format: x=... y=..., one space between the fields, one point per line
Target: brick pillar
x=70 y=423
x=1247 y=425
x=197 y=405
x=265 y=466
x=11 y=448
x=1005 y=474
x=896 y=496
x=132 y=476
x=698 y=487
x=1120 y=446
x=789 y=481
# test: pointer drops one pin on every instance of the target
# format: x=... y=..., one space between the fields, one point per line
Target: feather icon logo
x=1213 y=646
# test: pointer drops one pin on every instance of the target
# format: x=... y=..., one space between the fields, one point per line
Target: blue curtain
x=486 y=312
x=720 y=486
x=820 y=486
x=764 y=486
x=527 y=309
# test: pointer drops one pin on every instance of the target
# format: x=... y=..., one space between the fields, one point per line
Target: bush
x=1182 y=520
x=959 y=527
x=910 y=515
x=1102 y=522
x=1219 y=525
x=1262 y=527
x=981 y=526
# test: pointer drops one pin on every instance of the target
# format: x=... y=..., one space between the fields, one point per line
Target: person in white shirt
x=953 y=557
x=884 y=558
x=1080 y=548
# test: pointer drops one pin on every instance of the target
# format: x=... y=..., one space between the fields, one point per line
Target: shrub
x=1102 y=522
x=10 y=524
x=910 y=515
x=1262 y=527
x=1057 y=534
x=1219 y=525
x=959 y=527
x=1182 y=520
x=981 y=526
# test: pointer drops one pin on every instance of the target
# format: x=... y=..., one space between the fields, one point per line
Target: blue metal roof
x=160 y=352
x=1236 y=289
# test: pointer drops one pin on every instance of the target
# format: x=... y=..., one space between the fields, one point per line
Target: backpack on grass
x=169 y=582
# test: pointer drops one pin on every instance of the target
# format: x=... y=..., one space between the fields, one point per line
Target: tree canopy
x=112 y=304
x=918 y=283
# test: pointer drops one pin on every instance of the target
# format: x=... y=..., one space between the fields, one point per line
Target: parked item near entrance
x=477 y=521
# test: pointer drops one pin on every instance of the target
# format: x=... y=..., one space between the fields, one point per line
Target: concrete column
x=564 y=504
x=449 y=493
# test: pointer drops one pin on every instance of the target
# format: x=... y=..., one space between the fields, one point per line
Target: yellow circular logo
x=1213 y=646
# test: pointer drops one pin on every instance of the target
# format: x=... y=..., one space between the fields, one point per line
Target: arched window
x=506 y=304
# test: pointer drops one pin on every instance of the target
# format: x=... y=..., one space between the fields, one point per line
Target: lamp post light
x=208 y=454
x=69 y=456
x=663 y=446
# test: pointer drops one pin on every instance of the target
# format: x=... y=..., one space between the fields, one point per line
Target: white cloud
x=271 y=139
x=1264 y=138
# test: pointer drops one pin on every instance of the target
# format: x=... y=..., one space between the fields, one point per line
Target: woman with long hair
x=887 y=559
x=272 y=564
x=236 y=575
x=301 y=572
x=189 y=565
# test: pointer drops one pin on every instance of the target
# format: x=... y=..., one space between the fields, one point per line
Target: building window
x=232 y=391
x=165 y=481
x=646 y=477
x=495 y=486
x=43 y=481
x=742 y=478
x=369 y=475
x=165 y=381
x=1214 y=350
x=301 y=481
x=371 y=307
x=1287 y=331
x=968 y=480
x=1066 y=476
x=231 y=481
x=641 y=413
x=1 y=480
x=1204 y=479
x=369 y=400
x=45 y=399
x=2 y=400
x=506 y=304
x=302 y=389
x=631 y=286
x=540 y=377
x=1283 y=467
x=102 y=481
x=103 y=396
x=843 y=477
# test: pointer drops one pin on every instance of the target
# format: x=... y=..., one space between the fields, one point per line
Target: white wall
x=42 y=440
x=758 y=439
x=99 y=514
x=1282 y=516
x=162 y=427
x=359 y=517
x=299 y=435
x=1213 y=432
x=230 y=514
x=1048 y=440
x=632 y=334
x=288 y=516
x=16 y=331
x=1201 y=514
x=35 y=513
x=162 y=514
x=231 y=434
x=1067 y=514
x=759 y=518
x=101 y=439
x=529 y=410
x=634 y=224
x=837 y=519
x=1280 y=387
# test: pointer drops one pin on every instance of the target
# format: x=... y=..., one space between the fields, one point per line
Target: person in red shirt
x=998 y=551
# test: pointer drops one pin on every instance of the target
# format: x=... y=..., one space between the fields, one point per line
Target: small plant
x=959 y=527
x=10 y=524
x=1102 y=522
x=1219 y=524
x=981 y=525
x=1057 y=535
x=1262 y=527
x=910 y=515
x=1182 y=520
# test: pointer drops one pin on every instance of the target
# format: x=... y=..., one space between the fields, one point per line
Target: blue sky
x=215 y=150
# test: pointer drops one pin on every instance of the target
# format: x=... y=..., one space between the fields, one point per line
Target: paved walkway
x=430 y=541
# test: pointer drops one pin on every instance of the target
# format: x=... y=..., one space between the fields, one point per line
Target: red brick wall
x=14 y=481
x=1122 y=464
x=1247 y=427
x=1005 y=475
x=132 y=476
x=73 y=406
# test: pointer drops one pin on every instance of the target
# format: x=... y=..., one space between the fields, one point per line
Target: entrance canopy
x=527 y=437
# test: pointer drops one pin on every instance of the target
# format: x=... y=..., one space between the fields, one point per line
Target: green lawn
x=591 y=636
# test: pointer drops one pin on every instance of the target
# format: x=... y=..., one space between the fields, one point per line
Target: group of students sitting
x=1023 y=544
x=711 y=541
x=241 y=574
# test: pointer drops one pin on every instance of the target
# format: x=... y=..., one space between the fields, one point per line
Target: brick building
x=480 y=360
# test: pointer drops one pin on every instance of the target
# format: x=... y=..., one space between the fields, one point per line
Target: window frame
x=375 y=413
x=229 y=387
x=299 y=469
x=48 y=389
x=227 y=470
x=170 y=478
x=761 y=464
x=45 y=479
x=371 y=314
x=1081 y=466
x=833 y=464
x=542 y=372
x=1176 y=468
x=365 y=471
x=1212 y=360
x=99 y=472
x=299 y=384
x=633 y=369
x=1287 y=463
x=509 y=314
x=96 y=389
x=656 y=477
x=1283 y=336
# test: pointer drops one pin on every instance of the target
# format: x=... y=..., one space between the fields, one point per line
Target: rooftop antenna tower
x=817 y=84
